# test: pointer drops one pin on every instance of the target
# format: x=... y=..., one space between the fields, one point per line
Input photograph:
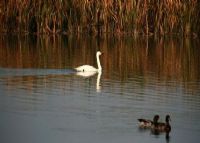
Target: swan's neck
x=98 y=63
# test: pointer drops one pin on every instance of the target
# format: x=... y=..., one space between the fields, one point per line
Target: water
x=42 y=99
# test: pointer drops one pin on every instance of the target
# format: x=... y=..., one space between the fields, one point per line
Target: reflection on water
x=98 y=84
x=90 y=74
x=42 y=99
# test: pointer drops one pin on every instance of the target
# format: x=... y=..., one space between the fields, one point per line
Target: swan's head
x=99 y=53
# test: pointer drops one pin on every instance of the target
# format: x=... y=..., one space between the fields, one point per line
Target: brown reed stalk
x=101 y=16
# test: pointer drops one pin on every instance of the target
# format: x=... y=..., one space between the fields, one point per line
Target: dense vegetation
x=132 y=17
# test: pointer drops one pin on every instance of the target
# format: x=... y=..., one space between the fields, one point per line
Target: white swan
x=88 y=68
x=86 y=74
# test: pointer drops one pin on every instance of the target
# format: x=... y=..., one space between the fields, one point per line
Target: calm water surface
x=43 y=100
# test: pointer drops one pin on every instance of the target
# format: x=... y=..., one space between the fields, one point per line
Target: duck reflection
x=158 y=133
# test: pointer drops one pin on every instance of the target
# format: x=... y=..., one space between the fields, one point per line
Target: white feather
x=88 y=68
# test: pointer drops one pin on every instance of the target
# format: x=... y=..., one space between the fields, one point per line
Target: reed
x=132 y=17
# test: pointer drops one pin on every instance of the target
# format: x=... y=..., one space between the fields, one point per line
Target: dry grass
x=145 y=17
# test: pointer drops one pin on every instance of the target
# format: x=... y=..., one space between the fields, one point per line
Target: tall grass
x=145 y=17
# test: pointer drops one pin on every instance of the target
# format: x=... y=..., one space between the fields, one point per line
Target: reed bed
x=146 y=17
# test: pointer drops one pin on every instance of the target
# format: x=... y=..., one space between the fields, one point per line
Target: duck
x=146 y=123
x=88 y=68
x=162 y=127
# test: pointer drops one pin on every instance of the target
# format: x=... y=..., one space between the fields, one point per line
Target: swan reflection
x=90 y=74
x=98 y=85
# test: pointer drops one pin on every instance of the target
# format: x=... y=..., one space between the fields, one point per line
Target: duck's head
x=155 y=119
x=167 y=119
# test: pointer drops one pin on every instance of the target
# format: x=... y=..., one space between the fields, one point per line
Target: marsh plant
x=146 y=17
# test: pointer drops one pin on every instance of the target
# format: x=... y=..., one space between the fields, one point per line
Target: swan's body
x=86 y=74
x=88 y=68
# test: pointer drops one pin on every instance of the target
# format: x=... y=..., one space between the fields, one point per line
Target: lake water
x=43 y=100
